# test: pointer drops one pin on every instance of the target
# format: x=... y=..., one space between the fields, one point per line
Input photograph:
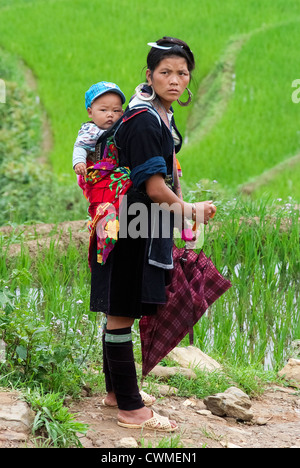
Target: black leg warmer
x=120 y=361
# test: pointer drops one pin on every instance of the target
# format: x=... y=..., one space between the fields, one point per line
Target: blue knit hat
x=100 y=88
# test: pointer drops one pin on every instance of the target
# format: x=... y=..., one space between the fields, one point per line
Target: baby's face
x=106 y=110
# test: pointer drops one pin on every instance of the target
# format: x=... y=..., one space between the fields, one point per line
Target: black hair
x=178 y=48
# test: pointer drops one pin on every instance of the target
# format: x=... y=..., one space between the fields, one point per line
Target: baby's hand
x=80 y=169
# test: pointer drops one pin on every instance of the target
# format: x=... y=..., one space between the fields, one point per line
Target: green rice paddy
x=70 y=45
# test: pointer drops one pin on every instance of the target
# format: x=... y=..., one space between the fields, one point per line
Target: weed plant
x=45 y=324
x=62 y=430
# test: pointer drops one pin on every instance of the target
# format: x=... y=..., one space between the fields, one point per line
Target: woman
x=132 y=282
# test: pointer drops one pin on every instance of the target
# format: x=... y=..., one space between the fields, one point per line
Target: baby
x=103 y=102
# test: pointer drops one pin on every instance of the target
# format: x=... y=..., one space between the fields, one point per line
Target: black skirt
x=127 y=286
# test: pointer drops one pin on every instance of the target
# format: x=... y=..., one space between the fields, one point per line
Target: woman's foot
x=140 y=416
x=110 y=399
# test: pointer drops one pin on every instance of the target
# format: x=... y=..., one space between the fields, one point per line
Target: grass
x=258 y=323
x=29 y=189
x=164 y=442
x=259 y=126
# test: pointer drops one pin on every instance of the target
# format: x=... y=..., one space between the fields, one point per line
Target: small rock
x=167 y=372
x=204 y=412
x=165 y=390
x=98 y=443
x=261 y=421
x=192 y=357
x=291 y=372
x=15 y=414
x=230 y=445
x=189 y=402
x=106 y=417
x=127 y=442
x=233 y=403
x=13 y=436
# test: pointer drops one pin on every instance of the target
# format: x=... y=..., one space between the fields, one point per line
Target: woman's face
x=169 y=79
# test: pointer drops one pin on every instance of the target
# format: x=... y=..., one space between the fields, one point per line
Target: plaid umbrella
x=195 y=285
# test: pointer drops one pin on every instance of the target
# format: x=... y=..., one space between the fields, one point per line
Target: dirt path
x=39 y=236
x=276 y=423
x=267 y=176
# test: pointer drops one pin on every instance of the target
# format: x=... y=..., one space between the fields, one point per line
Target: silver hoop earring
x=184 y=104
x=139 y=94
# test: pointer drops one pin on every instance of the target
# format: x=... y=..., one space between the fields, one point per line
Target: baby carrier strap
x=135 y=105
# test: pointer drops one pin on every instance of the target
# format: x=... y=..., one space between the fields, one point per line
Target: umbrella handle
x=189 y=235
x=195 y=227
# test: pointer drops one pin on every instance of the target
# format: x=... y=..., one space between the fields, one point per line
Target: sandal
x=147 y=400
x=156 y=423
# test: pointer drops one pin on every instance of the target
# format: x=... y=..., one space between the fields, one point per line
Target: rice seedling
x=258 y=318
x=45 y=315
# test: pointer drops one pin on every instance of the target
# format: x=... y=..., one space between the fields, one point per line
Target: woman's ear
x=149 y=77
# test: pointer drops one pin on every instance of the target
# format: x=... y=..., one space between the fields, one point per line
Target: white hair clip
x=154 y=44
